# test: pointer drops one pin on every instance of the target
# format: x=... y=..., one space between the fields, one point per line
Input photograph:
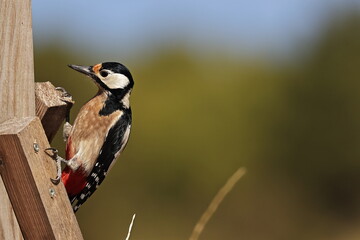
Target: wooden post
x=31 y=206
x=15 y=28
x=17 y=98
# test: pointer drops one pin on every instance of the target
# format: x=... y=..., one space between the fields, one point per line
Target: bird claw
x=54 y=154
x=55 y=181
x=56 y=157
x=64 y=92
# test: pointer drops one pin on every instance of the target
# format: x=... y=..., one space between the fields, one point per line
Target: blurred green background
x=204 y=108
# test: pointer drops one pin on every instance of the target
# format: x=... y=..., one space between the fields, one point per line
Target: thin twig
x=219 y=197
x=130 y=227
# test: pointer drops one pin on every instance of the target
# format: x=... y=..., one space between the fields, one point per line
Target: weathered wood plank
x=9 y=227
x=16 y=84
x=17 y=98
x=26 y=174
x=51 y=107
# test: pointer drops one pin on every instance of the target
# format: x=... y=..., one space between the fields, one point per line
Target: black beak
x=83 y=69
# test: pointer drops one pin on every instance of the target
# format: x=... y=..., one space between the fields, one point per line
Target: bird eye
x=104 y=73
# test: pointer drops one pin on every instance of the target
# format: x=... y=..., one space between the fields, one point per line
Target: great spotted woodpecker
x=100 y=131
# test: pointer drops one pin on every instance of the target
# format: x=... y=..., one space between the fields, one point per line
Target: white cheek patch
x=116 y=80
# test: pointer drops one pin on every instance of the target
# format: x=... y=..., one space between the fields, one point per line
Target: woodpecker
x=100 y=131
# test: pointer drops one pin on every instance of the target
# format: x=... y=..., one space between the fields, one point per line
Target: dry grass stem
x=219 y=197
x=130 y=227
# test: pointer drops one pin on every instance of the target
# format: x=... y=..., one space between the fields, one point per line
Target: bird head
x=109 y=76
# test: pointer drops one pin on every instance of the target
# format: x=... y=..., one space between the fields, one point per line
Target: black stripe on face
x=116 y=94
x=101 y=83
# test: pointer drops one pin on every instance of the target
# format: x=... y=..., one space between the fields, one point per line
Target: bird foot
x=65 y=94
x=53 y=153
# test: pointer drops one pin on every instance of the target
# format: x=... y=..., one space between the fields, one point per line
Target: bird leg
x=56 y=157
x=72 y=163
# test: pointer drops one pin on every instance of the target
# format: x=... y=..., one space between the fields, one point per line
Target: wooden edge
x=42 y=209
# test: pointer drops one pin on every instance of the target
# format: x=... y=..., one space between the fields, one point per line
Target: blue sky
x=236 y=26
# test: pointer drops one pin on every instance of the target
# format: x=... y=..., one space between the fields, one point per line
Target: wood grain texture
x=17 y=98
x=16 y=85
x=51 y=107
x=9 y=227
x=26 y=175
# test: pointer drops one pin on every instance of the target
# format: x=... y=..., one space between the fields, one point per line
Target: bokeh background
x=270 y=85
